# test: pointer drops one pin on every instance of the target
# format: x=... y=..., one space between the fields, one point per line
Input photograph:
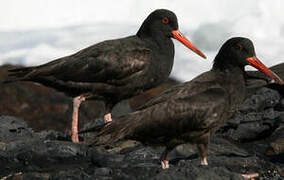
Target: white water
x=33 y=32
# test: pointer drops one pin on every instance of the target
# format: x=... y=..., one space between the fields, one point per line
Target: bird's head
x=239 y=51
x=164 y=23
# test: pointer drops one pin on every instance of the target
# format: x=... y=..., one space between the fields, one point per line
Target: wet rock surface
x=30 y=148
x=257 y=118
x=251 y=142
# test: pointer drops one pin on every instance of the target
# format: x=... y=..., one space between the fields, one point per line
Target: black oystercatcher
x=192 y=111
x=113 y=70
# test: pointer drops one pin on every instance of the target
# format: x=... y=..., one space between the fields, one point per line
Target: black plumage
x=192 y=111
x=113 y=70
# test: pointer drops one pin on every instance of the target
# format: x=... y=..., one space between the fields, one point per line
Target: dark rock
x=263 y=98
x=52 y=135
x=252 y=126
x=248 y=132
x=281 y=116
x=276 y=146
x=12 y=129
x=28 y=176
x=74 y=174
x=281 y=105
x=250 y=142
x=144 y=153
x=101 y=159
x=103 y=172
x=218 y=147
x=256 y=118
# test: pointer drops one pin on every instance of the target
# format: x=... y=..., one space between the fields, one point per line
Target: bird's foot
x=75 y=138
x=204 y=161
x=107 y=118
x=250 y=176
x=165 y=164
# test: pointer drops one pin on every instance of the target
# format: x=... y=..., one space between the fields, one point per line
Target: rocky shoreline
x=35 y=145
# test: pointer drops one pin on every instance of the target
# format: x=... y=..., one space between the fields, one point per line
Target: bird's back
x=113 y=67
x=182 y=112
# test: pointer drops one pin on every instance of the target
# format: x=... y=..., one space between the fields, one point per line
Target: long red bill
x=180 y=37
x=255 y=62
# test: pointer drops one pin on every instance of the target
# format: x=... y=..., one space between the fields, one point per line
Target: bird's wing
x=109 y=62
x=183 y=90
x=171 y=117
x=178 y=116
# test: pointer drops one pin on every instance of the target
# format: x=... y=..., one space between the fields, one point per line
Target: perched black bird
x=113 y=70
x=192 y=111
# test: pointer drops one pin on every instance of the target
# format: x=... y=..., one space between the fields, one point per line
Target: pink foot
x=74 y=136
x=250 y=176
x=107 y=118
x=165 y=164
x=76 y=104
x=204 y=161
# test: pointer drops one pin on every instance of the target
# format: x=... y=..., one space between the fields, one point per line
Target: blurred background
x=33 y=32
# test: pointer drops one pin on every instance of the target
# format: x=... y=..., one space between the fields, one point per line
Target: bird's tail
x=118 y=129
x=18 y=74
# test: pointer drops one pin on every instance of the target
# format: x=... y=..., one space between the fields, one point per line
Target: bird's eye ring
x=239 y=46
x=165 y=20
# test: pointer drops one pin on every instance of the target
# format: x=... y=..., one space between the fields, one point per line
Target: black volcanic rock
x=13 y=129
x=276 y=147
x=257 y=118
x=36 y=146
x=47 y=155
x=262 y=99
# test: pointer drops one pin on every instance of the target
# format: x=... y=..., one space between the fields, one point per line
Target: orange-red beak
x=255 y=62
x=178 y=36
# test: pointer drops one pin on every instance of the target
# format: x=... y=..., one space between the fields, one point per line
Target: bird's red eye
x=239 y=46
x=165 y=20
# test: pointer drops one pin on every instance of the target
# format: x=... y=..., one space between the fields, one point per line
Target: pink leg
x=164 y=159
x=203 y=148
x=250 y=176
x=204 y=161
x=76 y=104
x=107 y=118
x=165 y=164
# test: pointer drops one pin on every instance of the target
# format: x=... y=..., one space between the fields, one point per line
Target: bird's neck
x=235 y=74
x=232 y=78
x=157 y=39
x=226 y=62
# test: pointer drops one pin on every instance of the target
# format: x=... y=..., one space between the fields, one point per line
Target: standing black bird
x=113 y=70
x=192 y=111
